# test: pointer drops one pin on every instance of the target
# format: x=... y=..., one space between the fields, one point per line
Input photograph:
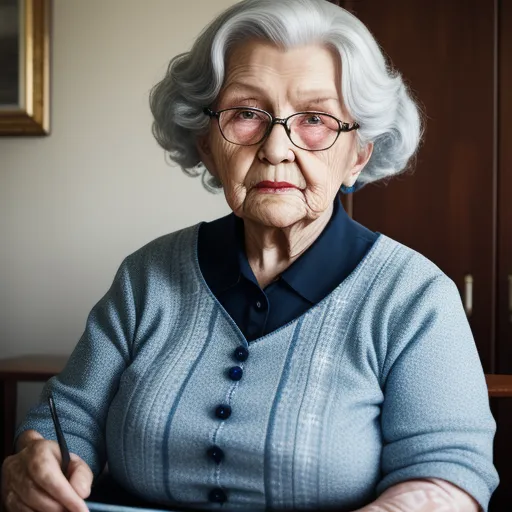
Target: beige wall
x=74 y=204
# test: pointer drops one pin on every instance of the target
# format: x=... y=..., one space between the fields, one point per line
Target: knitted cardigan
x=378 y=383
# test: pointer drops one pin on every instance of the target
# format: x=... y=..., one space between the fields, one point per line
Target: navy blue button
x=217 y=496
x=241 y=354
x=216 y=454
x=235 y=373
x=223 y=412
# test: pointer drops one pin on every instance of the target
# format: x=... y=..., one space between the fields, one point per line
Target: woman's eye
x=247 y=114
x=313 y=119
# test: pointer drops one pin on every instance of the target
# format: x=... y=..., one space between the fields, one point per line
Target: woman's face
x=282 y=83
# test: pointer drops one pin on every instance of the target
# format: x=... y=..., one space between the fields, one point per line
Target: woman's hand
x=423 y=495
x=32 y=478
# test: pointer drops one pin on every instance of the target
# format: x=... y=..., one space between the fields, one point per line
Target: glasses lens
x=313 y=131
x=243 y=126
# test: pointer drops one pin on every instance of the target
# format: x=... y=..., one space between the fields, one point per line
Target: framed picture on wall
x=24 y=67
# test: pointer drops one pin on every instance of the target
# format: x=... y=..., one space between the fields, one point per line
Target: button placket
x=223 y=413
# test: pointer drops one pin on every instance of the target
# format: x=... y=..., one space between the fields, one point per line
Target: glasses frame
x=342 y=126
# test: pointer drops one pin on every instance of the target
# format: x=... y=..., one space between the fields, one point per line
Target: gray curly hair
x=373 y=93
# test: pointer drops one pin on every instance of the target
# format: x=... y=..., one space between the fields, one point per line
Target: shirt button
x=258 y=305
x=235 y=373
x=223 y=412
x=241 y=354
x=217 y=496
x=216 y=454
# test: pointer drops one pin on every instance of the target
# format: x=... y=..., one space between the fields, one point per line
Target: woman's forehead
x=260 y=68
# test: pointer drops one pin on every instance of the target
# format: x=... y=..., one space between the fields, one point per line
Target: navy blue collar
x=325 y=261
x=329 y=259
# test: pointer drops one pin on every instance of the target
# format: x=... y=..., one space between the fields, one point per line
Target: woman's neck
x=270 y=251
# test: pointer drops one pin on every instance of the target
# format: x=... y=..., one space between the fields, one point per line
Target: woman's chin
x=275 y=211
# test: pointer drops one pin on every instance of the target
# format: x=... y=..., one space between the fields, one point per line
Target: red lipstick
x=275 y=184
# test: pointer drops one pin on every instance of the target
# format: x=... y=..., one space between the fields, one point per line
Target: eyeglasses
x=247 y=126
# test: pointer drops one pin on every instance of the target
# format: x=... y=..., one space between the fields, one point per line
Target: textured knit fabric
x=378 y=383
x=223 y=261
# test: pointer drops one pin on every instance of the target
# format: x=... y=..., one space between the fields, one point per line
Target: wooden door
x=503 y=408
x=446 y=209
x=504 y=349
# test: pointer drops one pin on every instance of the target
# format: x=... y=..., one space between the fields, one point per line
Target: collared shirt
x=331 y=258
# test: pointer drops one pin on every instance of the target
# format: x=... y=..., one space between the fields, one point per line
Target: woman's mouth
x=274 y=186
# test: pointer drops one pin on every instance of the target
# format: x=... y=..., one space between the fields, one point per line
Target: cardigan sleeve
x=85 y=388
x=436 y=420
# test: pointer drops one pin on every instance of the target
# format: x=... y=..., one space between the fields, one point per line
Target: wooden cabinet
x=503 y=340
x=504 y=195
x=456 y=205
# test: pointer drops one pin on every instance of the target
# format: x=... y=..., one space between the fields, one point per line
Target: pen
x=64 y=452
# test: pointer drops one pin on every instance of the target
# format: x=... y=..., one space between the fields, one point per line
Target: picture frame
x=25 y=65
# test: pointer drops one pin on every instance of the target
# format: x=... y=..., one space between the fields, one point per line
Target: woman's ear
x=205 y=153
x=362 y=157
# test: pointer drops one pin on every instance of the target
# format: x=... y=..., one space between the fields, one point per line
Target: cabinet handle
x=468 y=294
x=510 y=297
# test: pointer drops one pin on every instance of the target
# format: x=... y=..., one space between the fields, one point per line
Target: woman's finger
x=36 y=498
x=80 y=476
x=46 y=473
x=61 y=490
x=14 y=504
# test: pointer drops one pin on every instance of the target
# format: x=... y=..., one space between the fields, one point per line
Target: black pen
x=64 y=451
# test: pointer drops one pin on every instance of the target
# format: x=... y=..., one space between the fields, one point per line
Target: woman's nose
x=277 y=147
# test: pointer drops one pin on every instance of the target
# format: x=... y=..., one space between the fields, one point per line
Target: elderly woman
x=282 y=357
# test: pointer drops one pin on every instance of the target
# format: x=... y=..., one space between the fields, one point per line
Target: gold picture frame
x=30 y=114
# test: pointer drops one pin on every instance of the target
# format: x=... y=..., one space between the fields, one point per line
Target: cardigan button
x=216 y=454
x=223 y=412
x=235 y=373
x=217 y=496
x=241 y=354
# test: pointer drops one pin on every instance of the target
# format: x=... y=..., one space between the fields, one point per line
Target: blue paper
x=105 y=507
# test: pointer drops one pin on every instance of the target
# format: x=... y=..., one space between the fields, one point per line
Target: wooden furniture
x=499 y=386
x=455 y=207
x=38 y=368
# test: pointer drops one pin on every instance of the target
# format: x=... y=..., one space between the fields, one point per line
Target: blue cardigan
x=378 y=383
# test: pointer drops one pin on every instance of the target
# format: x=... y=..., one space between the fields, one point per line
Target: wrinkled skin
x=32 y=479
x=280 y=226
